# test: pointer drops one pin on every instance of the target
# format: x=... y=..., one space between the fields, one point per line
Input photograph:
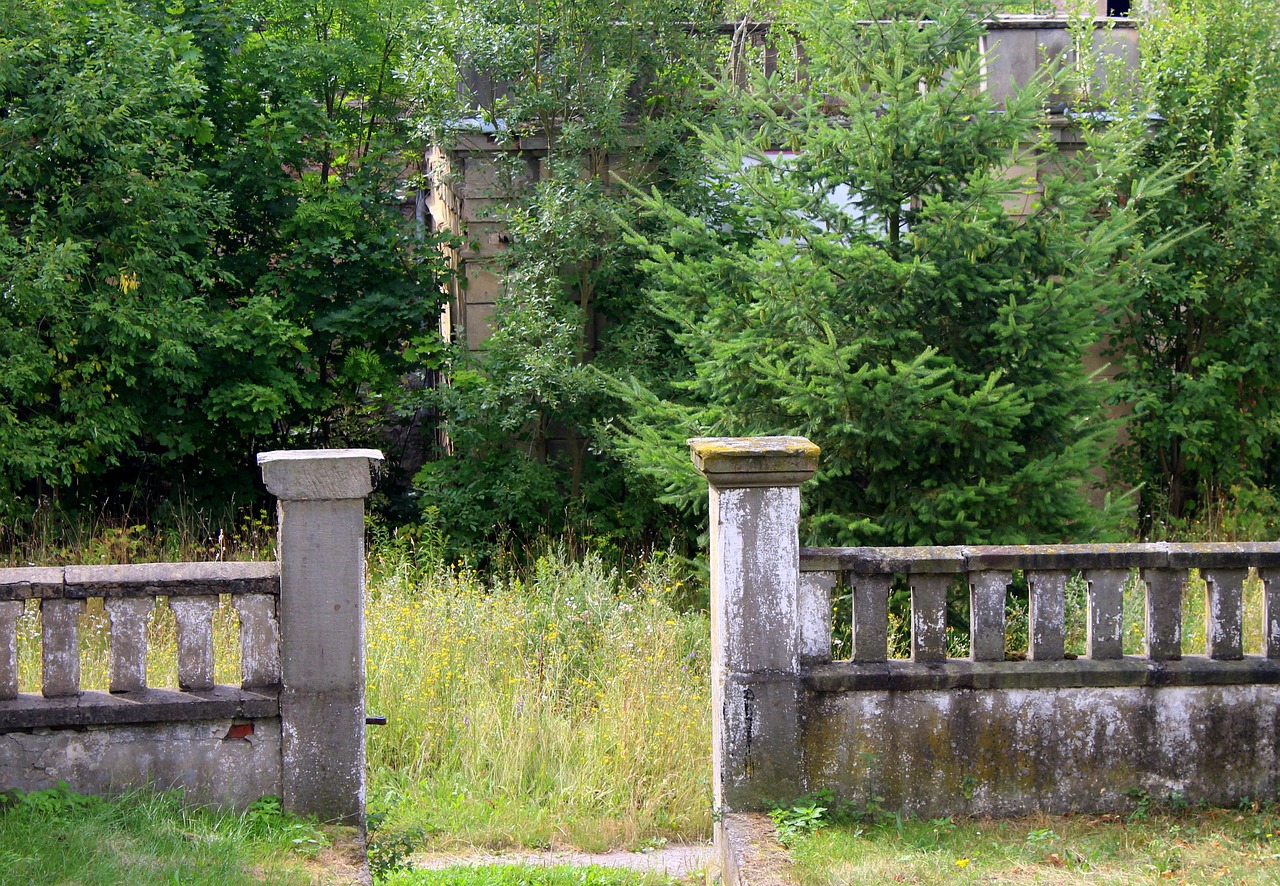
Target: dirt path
x=675 y=861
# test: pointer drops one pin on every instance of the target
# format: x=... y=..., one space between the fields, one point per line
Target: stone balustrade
x=294 y=727
x=989 y=734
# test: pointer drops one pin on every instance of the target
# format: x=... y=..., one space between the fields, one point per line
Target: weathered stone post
x=756 y=615
x=321 y=514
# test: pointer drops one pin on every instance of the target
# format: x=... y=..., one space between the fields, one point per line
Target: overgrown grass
x=566 y=707
x=1152 y=845
x=56 y=836
x=178 y=533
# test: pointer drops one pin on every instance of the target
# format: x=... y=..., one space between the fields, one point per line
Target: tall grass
x=565 y=707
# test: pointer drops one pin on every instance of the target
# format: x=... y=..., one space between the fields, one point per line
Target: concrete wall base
x=221 y=763
x=1003 y=752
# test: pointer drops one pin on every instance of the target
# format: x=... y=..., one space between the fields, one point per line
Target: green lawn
x=1203 y=846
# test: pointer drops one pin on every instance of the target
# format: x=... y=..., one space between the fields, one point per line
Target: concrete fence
x=293 y=728
x=937 y=736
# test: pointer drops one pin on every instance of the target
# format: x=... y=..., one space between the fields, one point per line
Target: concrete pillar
x=1046 y=614
x=321 y=550
x=929 y=616
x=1224 y=628
x=987 y=592
x=10 y=612
x=128 y=641
x=1164 y=613
x=757 y=617
x=1106 y=613
x=870 y=616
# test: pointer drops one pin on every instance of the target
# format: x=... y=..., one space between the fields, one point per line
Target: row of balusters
x=1046 y=641
x=128 y=642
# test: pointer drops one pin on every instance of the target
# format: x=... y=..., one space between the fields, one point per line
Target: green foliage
x=798 y=819
x=104 y=225
x=612 y=89
x=1197 y=341
x=200 y=240
x=871 y=291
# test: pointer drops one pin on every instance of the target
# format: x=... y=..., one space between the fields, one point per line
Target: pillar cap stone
x=741 y=462
x=318 y=474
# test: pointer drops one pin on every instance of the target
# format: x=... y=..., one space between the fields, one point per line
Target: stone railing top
x=318 y=474
x=924 y=560
x=732 y=462
x=140 y=580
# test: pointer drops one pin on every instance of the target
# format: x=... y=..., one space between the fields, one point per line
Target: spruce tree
x=850 y=270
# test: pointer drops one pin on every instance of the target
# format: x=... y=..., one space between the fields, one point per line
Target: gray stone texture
x=259 y=641
x=129 y=617
x=987 y=592
x=197 y=757
x=193 y=617
x=60 y=641
x=10 y=612
x=1224 y=620
x=319 y=474
x=1164 y=613
x=1271 y=611
x=756 y=621
x=929 y=617
x=1105 y=626
x=1014 y=751
x=936 y=736
x=321 y=610
x=1047 y=614
x=870 y=616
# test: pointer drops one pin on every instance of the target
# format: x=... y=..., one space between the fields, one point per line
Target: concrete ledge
x=29 y=711
x=956 y=673
x=750 y=854
x=870 y=561
x=140 y=580
x=318 y=474
x=744 y=462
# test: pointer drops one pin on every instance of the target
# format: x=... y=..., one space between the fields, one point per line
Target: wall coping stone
x=959 y=673
x=319 y=474
x=745 y=462
x=1160 y=555
x=90 y=708
x=141 y=580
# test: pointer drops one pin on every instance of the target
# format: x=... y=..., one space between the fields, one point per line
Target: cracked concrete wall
x=224 y=763
x=1006 y=752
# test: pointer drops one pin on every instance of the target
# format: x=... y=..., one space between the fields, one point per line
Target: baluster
x=1223 y=612
x=10 y=612
x=259 y=640
x=194 y=618
x=870 y=616
x=1270 y=612
x=129 y=617
x=60 y=632
x=1164 y=613
x=929 y=616
x=1106 y=613
x=987 y=592
x=814 y=611
x=1047 y=614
